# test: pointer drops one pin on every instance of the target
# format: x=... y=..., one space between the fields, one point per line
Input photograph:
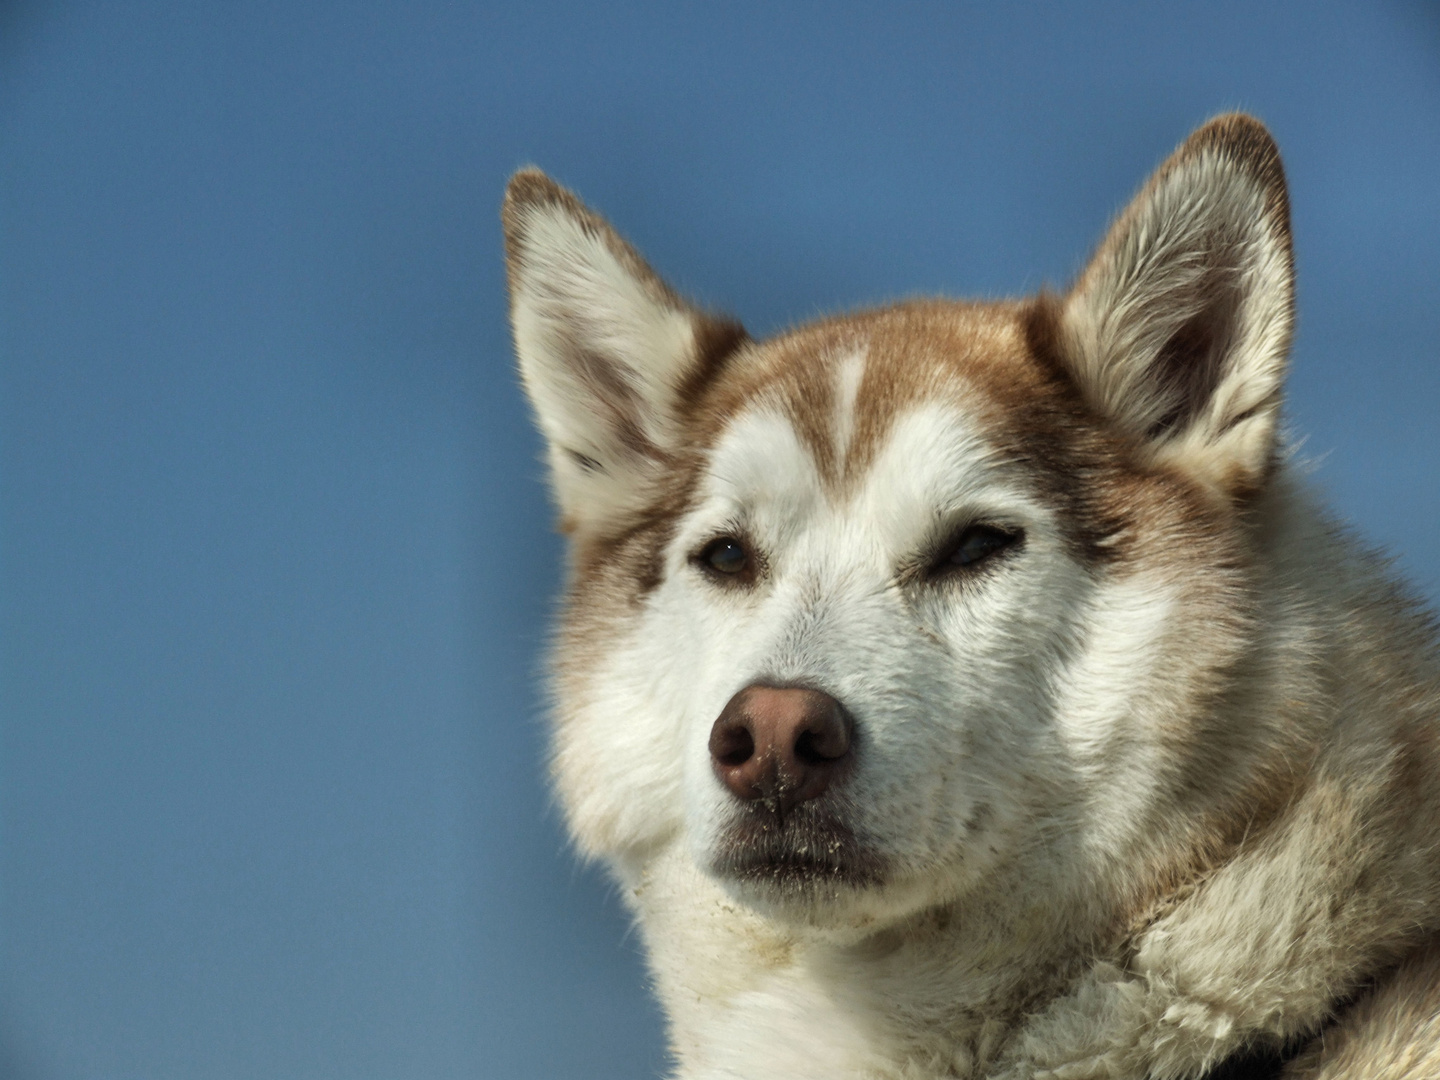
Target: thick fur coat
x=975 y=689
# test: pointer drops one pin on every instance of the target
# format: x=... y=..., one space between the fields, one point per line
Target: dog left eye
x=976 y=543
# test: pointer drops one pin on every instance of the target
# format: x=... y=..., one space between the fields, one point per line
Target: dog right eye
x=725 y=555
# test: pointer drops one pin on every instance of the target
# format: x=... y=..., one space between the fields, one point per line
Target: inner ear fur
x=610 y=356
x=1179 y=328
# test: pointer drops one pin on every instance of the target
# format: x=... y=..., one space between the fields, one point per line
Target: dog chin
x=808 y=868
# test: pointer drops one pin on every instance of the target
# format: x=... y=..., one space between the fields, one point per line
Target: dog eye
x=725 y=556
x=976 y=543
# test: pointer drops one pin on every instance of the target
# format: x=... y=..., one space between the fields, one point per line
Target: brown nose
x=782 y=746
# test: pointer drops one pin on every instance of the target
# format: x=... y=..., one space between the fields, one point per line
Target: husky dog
x=975 y=689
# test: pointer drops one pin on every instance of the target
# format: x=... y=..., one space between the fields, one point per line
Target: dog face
x=900 y=603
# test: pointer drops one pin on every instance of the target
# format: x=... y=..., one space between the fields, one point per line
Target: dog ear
x=1179 y=328
x=609 y=354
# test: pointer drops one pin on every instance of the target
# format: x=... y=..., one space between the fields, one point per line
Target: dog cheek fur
x=1301 y=867
x=615 y=734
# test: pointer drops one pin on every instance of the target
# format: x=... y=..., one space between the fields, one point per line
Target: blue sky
x=275 y=558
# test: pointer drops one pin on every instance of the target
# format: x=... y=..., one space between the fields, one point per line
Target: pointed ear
x=1179 y=328
x=609 y=355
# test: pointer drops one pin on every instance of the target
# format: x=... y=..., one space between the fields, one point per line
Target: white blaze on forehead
x=760 y=475
x=849 y=373
x=934 y=463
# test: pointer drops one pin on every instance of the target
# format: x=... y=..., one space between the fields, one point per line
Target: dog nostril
x=732 y=746
x=829 y=742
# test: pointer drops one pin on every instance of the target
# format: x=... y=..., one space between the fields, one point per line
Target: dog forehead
x=841 y=385
x=931 y=454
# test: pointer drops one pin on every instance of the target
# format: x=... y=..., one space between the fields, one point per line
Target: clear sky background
x=275 y=560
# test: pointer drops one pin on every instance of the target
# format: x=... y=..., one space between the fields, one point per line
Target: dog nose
x=782 y=746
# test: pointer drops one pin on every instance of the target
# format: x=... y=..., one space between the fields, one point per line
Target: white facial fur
x=946 y=679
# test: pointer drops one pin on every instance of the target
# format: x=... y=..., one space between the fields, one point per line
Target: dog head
x=898 y=602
